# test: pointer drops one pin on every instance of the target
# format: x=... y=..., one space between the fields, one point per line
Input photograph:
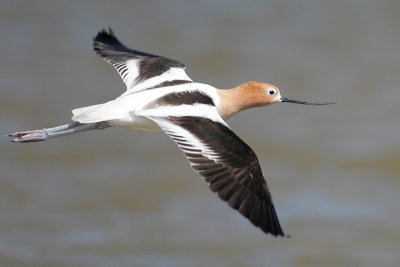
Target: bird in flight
x=160 y=97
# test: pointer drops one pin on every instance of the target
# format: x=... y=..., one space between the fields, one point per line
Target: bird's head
x=250 y=95
x=267 y=94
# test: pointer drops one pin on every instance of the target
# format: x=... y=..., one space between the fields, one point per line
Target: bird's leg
x=48 y=130
x=47 y=133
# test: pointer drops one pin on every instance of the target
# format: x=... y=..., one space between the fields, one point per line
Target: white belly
x=137 y=123
x=131 y=111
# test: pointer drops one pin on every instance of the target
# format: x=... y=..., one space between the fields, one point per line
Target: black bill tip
x=285 y=99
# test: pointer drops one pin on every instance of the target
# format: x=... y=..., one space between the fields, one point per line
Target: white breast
x=130 y=111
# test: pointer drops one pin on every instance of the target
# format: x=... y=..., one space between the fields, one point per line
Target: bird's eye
x=271 y=92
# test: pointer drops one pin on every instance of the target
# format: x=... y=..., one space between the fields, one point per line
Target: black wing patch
x=133 y=66
x=229 y=166
x=181 y=98
x=169 y=83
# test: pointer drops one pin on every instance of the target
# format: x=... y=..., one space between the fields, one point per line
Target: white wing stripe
x=170 y=75
x=181 y=135
x=197 y=110
x=138 y=70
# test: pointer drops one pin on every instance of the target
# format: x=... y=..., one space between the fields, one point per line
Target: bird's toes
x=29 y=136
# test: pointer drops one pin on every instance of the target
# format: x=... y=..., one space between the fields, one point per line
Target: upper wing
x=228 y=164
x=138 y=70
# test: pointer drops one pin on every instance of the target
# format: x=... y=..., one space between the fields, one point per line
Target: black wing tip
x=270 y=225
x=106 y=44
x=275 y=229
x=261 y=213
x=104 y=34
x=106 y=40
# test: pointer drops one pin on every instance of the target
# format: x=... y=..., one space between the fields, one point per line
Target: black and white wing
x=138 y=70
x=229 y=165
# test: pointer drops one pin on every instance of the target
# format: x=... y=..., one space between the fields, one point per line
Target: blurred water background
x=117 y=198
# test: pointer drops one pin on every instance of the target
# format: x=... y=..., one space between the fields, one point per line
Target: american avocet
x=160 y=97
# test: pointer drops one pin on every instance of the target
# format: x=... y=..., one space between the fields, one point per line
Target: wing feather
x=229 y=166
x=138 y=70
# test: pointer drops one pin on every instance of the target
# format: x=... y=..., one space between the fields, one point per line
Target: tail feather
x=81 y=110
x=93 y=114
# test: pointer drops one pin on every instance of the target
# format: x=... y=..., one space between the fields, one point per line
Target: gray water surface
x=118 y=198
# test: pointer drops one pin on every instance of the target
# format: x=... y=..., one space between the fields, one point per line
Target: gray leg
x=47 y=133
x=48 y=130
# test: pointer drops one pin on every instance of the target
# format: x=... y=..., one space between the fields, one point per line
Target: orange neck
x=240 y=98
